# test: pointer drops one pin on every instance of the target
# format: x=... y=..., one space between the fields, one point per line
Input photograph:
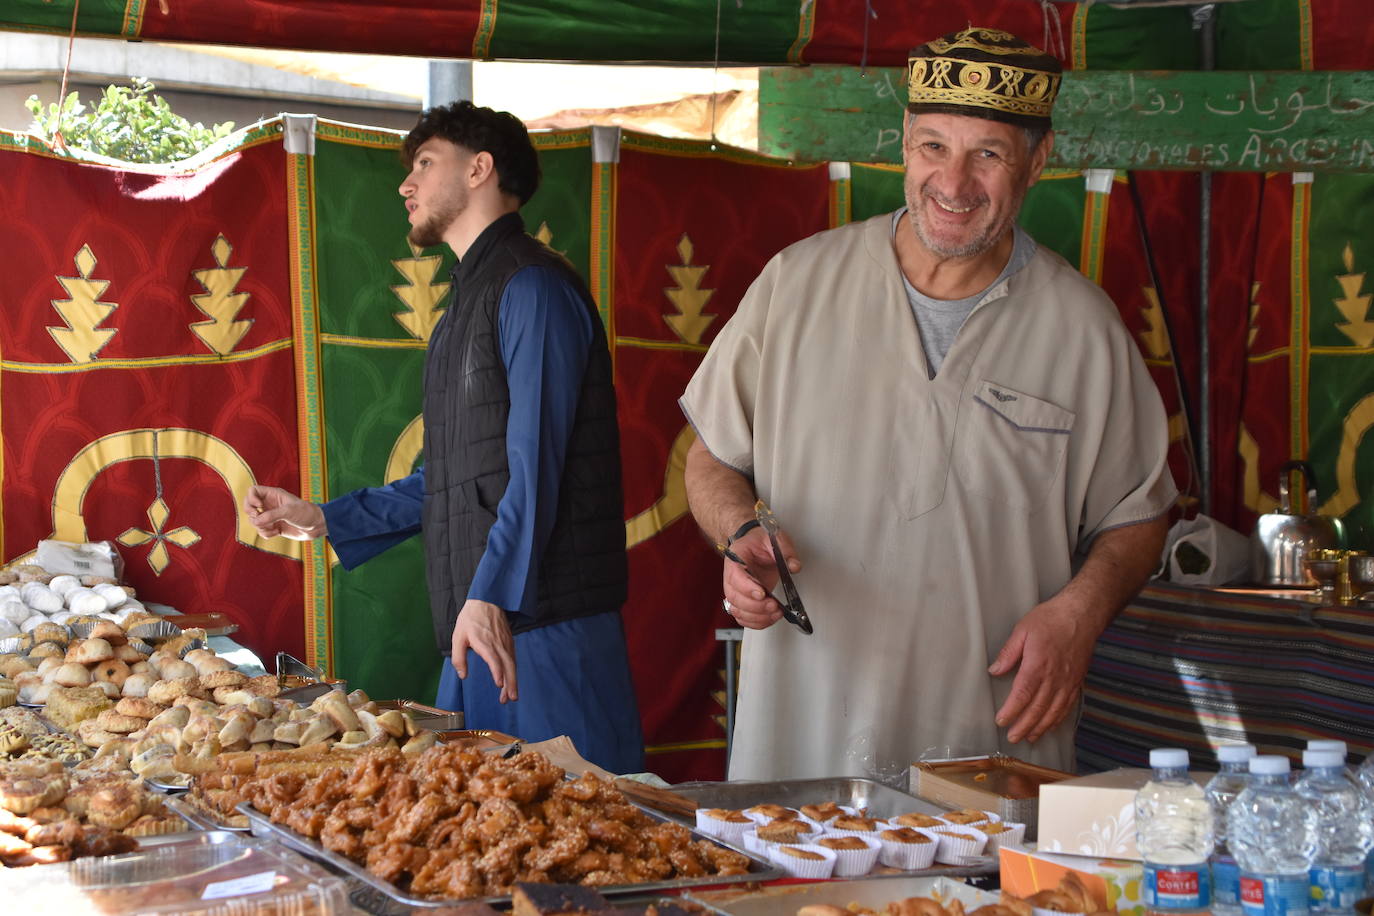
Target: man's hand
x=482 y=627
x=1053 y=645
x=276 y=513
x=746 y=588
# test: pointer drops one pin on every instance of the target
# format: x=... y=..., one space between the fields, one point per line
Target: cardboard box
x=1116 y=883
x=1093 y=815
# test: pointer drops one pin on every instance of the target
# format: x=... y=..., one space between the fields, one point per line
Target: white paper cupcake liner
x=908 y=856
x=804 y=868
x=850 y=863
x=954 y=849
x=1012 y=836
x=729 y=831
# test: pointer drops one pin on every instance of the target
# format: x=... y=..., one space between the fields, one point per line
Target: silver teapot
x=1279 y=546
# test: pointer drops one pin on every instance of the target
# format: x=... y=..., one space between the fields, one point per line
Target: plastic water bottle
x=1364 y=776
x=1272 y=833
x=1221 y=790
x=1173 y=831
x=1329 y=744
x=1345 y=833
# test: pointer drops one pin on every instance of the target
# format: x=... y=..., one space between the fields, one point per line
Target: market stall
x=292 y=357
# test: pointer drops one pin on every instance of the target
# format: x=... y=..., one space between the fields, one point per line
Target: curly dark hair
x=479 y=130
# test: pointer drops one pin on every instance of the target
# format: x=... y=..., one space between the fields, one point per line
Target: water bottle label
x=1225 y=881
x=1285 y=895
x=1336 y=888
x=1177 y=887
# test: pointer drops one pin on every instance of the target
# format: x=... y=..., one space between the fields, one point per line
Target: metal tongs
x=792 y=610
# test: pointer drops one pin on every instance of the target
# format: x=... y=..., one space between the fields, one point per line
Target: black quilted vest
x=466 y=404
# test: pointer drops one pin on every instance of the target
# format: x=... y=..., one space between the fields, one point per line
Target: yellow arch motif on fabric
x=673 y=504
x=69 y=494
x=670 y=507
x=1357 y=423
x=1256 y=499
x=408 y=445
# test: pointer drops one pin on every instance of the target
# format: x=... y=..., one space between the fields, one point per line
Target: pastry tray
x=200 y=820
x=868 y=893
x=262 y=826
x=880 y=800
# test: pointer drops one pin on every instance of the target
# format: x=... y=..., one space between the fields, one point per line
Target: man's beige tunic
x=930 y=514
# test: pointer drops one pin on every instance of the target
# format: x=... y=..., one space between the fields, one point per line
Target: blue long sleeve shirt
x=546 y=333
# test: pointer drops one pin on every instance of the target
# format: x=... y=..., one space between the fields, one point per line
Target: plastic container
x=1364 y=778
x=1221 y=790
x=204 y=874
x=1173 y=823
x=1272 y=833
x=1345 y=832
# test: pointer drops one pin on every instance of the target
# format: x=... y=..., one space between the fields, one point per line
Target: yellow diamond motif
x=85 y=260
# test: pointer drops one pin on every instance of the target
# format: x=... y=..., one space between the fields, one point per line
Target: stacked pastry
x=48 y=814
x=458 y=823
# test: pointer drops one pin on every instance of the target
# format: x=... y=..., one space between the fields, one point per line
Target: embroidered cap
x=984 y=73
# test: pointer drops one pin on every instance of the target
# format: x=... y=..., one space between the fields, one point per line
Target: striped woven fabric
x=1194 y=668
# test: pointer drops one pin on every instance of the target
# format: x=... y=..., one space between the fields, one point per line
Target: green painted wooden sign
x=1273 y=121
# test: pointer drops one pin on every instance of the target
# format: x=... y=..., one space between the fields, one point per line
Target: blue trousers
x=573 y=679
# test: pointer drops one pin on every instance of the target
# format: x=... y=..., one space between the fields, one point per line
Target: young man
x=960 y=438
x=519 y=499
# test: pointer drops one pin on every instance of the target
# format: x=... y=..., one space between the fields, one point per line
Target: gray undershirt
x=939 y=320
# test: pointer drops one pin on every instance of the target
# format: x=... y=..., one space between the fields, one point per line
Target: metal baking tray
x=201 y=819
x=868 y=893
x=262 y=826
x=880 y=801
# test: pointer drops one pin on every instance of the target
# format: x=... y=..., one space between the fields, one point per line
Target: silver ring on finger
x=729 y=608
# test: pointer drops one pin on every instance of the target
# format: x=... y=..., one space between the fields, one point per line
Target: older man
x=960 y=440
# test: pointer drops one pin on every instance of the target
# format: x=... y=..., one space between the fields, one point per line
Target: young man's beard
x=431 y=231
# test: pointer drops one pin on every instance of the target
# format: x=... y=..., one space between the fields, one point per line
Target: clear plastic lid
x=1170 y=758
x=1316 y=758
x=1269 y=765
x=205 y=874
x=1235 y=753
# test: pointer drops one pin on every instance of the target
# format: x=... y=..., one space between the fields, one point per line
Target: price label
x=238 y=887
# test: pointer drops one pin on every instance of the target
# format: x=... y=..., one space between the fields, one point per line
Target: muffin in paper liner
x=969 y=841
x=850 y=863
x=879 y=826
x=823 y=821
x=804 y=868
x=970 y=817
x=760 y=846
x=908 y=856
x=1013 y=835
x=809 y=831
x=771 y=813
x=730 y=831
x=918 y=820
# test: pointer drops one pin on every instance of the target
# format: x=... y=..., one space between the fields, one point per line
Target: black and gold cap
x=984 y=73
